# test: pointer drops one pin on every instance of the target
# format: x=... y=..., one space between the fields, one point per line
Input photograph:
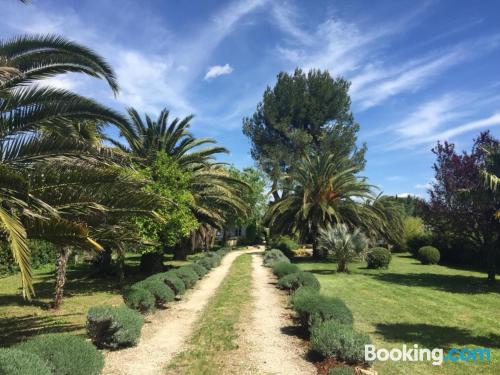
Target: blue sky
x=420 y=70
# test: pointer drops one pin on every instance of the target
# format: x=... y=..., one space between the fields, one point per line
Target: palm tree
x=94 y=199
x=342 y=243
x=145 y=138
x=321 y=190
x=215 y=193
x=25 y=109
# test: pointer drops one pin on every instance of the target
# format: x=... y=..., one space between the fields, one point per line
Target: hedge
x=114 y=327
x=334 y=339
x=139 y=299
x=429 y=255
x=313 y=308
x=378 y=257
x=173 y=281
x=65 y=354
x=274 y=255
x=282 y=268
x=187 y=275
x=17 y=362
x=296 y=280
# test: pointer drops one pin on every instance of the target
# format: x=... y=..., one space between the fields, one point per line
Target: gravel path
x=167 y=331
x=267 y=347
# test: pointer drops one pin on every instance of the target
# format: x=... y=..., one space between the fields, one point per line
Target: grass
x=429 y=305
x=215 y=334
x=20 y=319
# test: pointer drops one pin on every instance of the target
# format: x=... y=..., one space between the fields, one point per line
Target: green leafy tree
x=171 y=183
x=303 y=114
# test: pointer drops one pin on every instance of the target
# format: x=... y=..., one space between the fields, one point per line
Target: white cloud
x=218 y=70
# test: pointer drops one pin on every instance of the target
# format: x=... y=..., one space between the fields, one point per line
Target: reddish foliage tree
x=460 y=205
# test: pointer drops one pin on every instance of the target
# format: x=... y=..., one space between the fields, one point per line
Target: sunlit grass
x=432 y=306
x=20 y=319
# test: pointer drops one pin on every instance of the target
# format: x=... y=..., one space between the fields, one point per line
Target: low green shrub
x=172 y=281
x=65 y=354
x=199 y=269
x=429 y=255
x=161 y=292
x=296 y=280
x=187 y=275
x=114 y=327
x=274 y=255
x=206 y=262
x=378 y=257
x=214 y=257
x=313 y=308
x=416 y=241
x=17 y=362
x=283 y=268
x=139 y=299
x=334 y=339
x=341 y=371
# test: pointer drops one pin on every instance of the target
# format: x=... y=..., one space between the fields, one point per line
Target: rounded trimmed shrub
x=283 y=268
x=274 y=255
x=206 y=262
x=378 y=257
x=65 y=354
x=114 y=327
x=17 y=362
x=416 y=241
x=334 y=339
x=429 y=255
x=172 y=281
x=214 y=257
x=199 y=269
x=296 y=280
x=160 y=291
x=187 y=275
x=313 y=308
x=139 y=299
x=341 y=371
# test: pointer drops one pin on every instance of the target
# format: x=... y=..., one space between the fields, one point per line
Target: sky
x=420 y=71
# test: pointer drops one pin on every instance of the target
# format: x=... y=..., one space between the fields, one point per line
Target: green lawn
x=215 y=335
x=20 y=319
x=432 y=306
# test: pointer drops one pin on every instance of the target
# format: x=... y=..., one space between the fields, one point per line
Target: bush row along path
x=263 y=346
x=167 y=331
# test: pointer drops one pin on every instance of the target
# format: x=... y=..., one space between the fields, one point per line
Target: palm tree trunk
x=61 y=264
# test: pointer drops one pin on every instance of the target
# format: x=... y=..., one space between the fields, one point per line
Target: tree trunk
x=61 y=264
x=342 y=266
x=120 y=260
x=224 y=236
x=316 y=250
x=491 y=258
x=105 y=267
x=182 y=249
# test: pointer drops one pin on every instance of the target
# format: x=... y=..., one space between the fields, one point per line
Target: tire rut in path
x=167 y=330
x=267 y=347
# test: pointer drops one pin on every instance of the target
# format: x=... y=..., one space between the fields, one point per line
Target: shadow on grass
x=19 y=328
x=447 y=283
x=433 y=336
